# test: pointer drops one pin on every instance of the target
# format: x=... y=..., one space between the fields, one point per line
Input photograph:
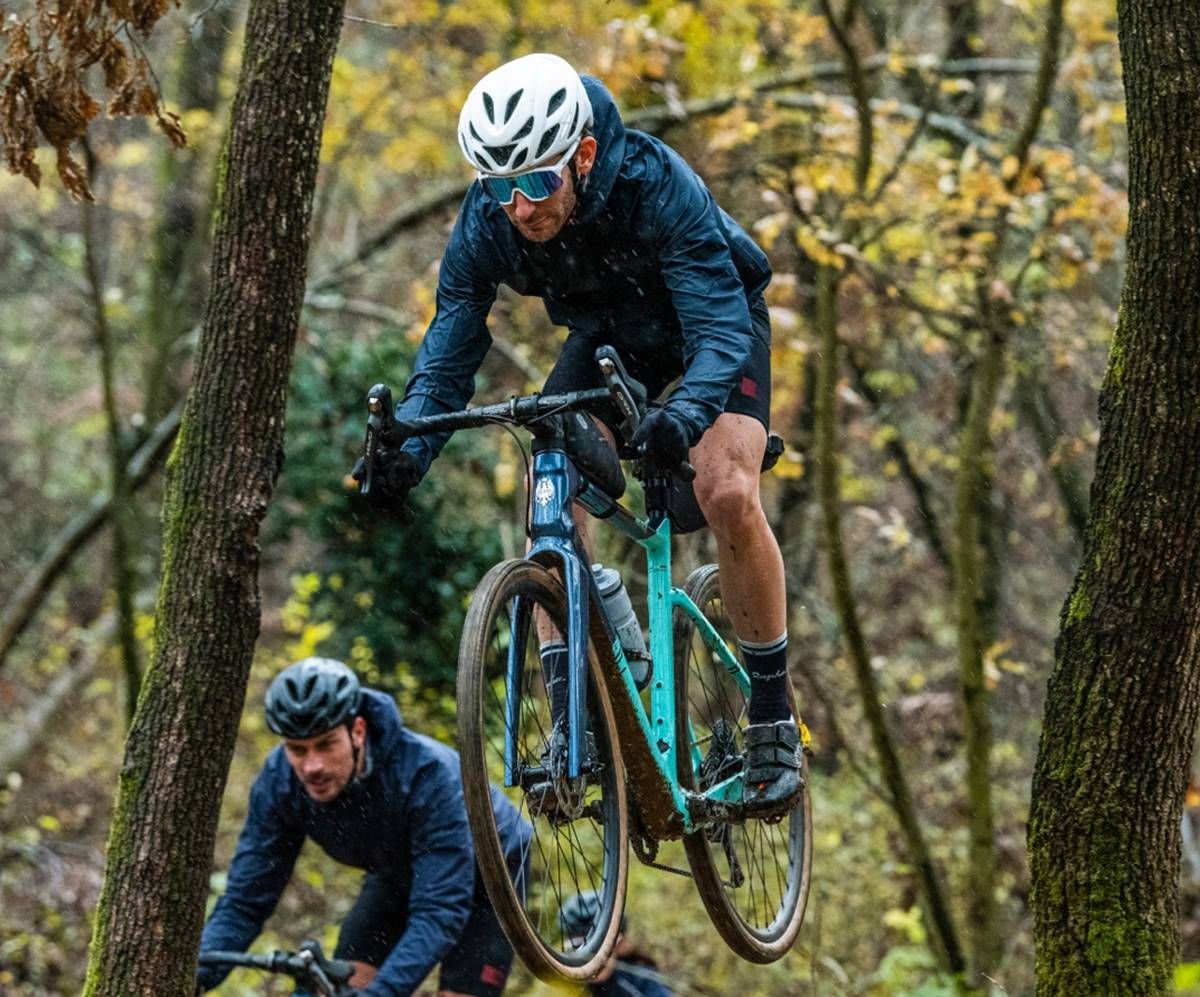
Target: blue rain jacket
x=649 y=259
x=404 y=820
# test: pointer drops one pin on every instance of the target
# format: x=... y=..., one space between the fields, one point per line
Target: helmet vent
x=512 y=104
x=556 y=101
x=499 y=153
x=524 y=131
x=475 y=135
x=519 y=160
x=547 y=141
x=489 y=107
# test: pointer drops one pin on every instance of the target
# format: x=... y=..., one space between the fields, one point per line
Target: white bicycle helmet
x=523 y=115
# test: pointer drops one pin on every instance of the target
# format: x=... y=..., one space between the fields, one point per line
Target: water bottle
x=624 y=619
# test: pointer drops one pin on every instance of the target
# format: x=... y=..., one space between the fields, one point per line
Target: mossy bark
x=971 y=492
x=219 y=479
x=1123 y=698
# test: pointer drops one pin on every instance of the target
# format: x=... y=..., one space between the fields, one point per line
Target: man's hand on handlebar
x=662 y=440
x=394 y=475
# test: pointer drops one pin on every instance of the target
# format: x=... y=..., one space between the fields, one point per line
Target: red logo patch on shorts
x=493 y=976
x=749 y=387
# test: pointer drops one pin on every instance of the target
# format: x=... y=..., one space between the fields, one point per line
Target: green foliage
x=1187 y=978
x=391 y=592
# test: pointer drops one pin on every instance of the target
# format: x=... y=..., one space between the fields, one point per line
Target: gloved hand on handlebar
x=662 y=439
x=395 y=474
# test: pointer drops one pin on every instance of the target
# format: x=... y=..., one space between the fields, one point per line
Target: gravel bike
x=313 y=973
x=635 y=767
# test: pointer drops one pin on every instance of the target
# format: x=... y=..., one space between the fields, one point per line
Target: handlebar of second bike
x=308 y=966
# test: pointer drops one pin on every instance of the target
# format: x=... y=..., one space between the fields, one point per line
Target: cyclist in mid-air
x=380 y=797
x=626 y=247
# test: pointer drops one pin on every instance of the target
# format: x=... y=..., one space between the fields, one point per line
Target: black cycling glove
x=395 y=474
x=662 y=439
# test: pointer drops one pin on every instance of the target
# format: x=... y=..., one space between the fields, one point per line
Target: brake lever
x=622 y=397
x=381 y=420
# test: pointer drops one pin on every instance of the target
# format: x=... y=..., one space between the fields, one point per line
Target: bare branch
x=28 y=597
x=27 y=733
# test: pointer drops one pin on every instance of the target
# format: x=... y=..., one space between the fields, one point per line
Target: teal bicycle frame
x=648 y=740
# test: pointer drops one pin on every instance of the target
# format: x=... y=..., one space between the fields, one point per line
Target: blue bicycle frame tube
x=556 y=484
x=512 y=696
x=552 y=528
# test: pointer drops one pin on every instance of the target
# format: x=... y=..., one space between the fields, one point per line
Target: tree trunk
x=971 y=492
x=124 y=574
x=219 y=479
x=943 y=937
x=175 y=288
x=1122 y=701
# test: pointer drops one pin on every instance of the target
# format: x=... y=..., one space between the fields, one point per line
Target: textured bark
x=1122 y=700
x=219 y=478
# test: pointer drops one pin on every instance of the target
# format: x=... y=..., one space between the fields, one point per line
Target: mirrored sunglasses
x=537 y=185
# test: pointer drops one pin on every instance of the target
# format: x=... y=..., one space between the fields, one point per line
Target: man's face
x=325 y=764
x=541 y=221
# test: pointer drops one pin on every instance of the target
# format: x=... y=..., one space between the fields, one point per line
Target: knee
x=728 y=499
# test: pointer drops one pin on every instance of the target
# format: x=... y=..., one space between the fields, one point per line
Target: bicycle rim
x=753 y=875
x=564 y=856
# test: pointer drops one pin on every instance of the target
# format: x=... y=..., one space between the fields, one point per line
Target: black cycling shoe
x=772 y=778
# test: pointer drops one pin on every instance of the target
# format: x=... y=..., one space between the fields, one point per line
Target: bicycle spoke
x=563 y=856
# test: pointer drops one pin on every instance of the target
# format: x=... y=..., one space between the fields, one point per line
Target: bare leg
x=727 y=461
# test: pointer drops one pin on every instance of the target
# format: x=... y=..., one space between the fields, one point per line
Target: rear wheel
x=753 y=875
x=578 y=841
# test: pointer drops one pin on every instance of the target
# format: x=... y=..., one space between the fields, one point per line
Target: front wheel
x=573 y=837
x=753 y=875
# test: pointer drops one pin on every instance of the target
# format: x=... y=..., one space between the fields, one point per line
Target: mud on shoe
x=772 y=778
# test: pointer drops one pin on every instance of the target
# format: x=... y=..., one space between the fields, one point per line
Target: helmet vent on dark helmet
x=512 y=104
x=547 y=141
x=556 y=101
x=489 y=107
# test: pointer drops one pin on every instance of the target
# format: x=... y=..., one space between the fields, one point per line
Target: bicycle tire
x=531 y=922
x=759 y=928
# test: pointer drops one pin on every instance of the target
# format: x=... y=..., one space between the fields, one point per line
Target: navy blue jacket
x=648 y=259
x=404 y=820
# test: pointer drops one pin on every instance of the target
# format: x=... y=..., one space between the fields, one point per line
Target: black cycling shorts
x=478 y=963
x=658 y=367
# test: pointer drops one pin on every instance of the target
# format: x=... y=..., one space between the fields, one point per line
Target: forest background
x=945 y=220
